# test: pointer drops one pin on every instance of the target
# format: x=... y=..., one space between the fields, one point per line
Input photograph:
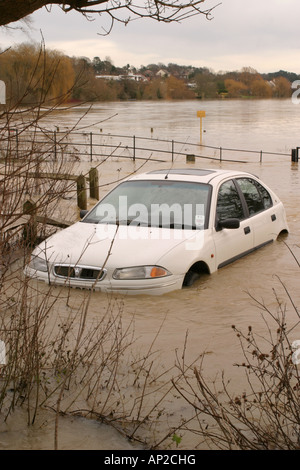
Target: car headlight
x=38 y=264
x=140 y=272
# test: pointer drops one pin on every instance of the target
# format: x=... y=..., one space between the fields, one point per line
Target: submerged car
x=159 y=231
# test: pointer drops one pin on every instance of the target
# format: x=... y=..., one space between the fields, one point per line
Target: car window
x=267 y=200
x=162 y=203
x=256 y=196
x=229 y=204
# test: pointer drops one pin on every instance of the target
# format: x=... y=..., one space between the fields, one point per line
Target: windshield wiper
x=141 y=223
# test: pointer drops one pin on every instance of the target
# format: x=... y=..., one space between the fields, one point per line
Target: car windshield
x=166 y=204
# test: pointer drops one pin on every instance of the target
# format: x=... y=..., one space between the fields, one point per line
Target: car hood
x=111 y=245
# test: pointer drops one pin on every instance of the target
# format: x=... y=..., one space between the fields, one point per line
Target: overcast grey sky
x=263 y=34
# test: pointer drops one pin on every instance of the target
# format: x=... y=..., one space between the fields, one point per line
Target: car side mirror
x=229 y=223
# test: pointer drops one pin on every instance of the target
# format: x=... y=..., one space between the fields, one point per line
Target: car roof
x=200 y=175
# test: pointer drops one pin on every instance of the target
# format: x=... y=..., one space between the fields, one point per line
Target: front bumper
x=157 y=286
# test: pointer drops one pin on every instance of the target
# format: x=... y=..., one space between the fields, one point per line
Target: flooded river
x=215 y=303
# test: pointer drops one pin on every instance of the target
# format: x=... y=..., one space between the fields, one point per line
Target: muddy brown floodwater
x=205 y=312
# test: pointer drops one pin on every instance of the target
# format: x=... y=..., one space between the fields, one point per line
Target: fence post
x=55 y=155
x=17 y=143
x=190 y=158
x=134 y=148
x=295 y=155
x=81 y=192
x=91 y=146
x=30 y=229
x=94 y=183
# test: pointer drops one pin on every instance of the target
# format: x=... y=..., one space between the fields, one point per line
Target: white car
x=158 y=231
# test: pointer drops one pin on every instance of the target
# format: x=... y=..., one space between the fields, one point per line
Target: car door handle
x=247 y=230
x=273 y=217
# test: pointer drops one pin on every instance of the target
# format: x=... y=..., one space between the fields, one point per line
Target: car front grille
x=79 y=272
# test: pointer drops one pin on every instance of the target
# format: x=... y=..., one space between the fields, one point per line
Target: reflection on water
x=268 y=125
x=215 y=303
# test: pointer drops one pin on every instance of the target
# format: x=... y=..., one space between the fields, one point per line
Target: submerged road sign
x=200 y=114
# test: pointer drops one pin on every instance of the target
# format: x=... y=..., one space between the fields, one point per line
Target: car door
x=261 y=212
x=231 y=243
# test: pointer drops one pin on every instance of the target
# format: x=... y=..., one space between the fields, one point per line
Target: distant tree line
x=34 y=74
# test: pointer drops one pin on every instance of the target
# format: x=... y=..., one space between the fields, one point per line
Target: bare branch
x=124 y=11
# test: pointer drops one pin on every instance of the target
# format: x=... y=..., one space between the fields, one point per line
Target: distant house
x=148 y=74
x=135 y=77
x=130 y=76
x=162 y=73
x=109 y=77
x=186 y=73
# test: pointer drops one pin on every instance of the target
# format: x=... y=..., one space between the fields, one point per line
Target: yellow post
x=200 y=114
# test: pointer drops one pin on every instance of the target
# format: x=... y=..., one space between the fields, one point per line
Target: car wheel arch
x=194 y=273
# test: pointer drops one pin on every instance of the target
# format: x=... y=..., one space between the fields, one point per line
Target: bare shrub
x=62 y=359
x=57 y=356
x=265 y=413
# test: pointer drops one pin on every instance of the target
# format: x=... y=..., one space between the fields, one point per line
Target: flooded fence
x=28 y=220
x=83 y=182
x=35 y=147
x=96 y=146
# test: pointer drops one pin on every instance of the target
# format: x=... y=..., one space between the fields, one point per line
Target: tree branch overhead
x=165 y=11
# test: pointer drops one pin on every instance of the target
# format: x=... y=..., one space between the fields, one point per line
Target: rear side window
x=256 y=196
x=267 y=200
x=229 y=204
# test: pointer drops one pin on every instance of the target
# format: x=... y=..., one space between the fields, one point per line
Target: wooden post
x=30 y=229
x=94 y=183
x=91 y=146
x=134 y=148
x=55 y=149
x=81 y=192
x=295 y=155
x=190 y=158
x=17 y=143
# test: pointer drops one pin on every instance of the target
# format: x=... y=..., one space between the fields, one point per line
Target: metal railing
x=90 y=146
